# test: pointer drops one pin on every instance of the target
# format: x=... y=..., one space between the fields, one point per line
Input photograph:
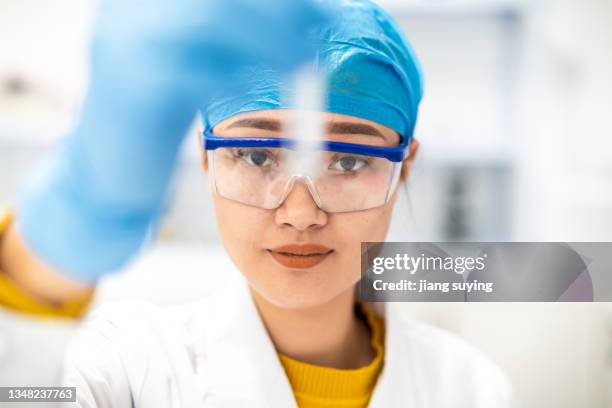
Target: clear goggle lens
x=338 y=182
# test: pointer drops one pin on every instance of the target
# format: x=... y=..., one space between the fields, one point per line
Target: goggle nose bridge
x=309 y=184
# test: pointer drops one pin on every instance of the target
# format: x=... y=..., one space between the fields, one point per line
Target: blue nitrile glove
x=152 y=63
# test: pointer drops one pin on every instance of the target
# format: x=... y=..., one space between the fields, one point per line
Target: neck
x=329 y=334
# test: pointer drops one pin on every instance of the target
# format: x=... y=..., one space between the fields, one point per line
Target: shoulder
x=139 y=323
x=441 y=360
x=134 y=314
x=448 y=348
x=134 y=351
x=126 y=329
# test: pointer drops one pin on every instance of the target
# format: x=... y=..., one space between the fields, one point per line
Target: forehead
x=274 y=122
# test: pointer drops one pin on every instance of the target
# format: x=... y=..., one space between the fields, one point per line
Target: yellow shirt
x=313 y=386
x=318 y=387
x=12 y=297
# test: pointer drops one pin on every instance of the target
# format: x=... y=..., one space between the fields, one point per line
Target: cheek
x=239 y=227
x=368 y=225
x=354 y=228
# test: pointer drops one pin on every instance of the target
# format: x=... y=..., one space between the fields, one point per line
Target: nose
x=300 y=210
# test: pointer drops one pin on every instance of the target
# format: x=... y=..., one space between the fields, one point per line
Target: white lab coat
x=217 y=353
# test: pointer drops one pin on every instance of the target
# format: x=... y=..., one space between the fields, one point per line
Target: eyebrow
x=338 y=128
x=256 y=123
x=347 y=128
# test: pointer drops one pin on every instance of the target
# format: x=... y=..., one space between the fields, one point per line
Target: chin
x=299 y=289
x=294 y=301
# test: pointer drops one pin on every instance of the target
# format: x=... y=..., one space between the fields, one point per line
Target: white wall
x=565 y=133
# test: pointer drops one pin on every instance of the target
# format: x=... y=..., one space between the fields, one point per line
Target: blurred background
x=516 y=144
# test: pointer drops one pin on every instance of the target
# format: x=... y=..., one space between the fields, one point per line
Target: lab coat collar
x=241 y=365
x=396 y=386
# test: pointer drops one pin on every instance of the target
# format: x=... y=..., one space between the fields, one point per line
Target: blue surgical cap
x=371 y=72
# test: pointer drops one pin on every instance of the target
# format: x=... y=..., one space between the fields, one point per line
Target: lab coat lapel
x=241 y=366
x=396 y=385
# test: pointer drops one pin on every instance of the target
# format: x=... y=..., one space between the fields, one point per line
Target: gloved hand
x=152 y=63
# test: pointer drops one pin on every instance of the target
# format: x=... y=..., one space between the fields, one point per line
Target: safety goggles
x=259 y=171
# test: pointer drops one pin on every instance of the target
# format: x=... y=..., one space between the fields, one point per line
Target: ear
x=203 y=155
x=407 y=163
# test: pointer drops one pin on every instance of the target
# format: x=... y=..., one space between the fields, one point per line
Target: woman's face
x=253 y=235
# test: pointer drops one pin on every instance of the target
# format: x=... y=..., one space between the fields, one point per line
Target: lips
x=300 y=256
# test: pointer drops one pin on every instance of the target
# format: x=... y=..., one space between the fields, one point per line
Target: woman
x=293 y=332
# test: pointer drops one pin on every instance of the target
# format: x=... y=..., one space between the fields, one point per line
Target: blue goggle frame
x=392 y=153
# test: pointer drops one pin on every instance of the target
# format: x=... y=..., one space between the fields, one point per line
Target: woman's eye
x=348 y=163
x=259 y=158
